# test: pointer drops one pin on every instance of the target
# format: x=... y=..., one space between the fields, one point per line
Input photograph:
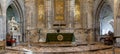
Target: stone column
x=3 y=5
x=89 y=13
x=67 y=10
x=31 y=19
x=83 y=6
x=49 y=13
x=89 y=20
x=30 y=13
x=116 y=17
x=71 y=18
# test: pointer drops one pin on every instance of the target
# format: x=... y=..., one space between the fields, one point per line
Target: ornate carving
x=13 y=25
x=60 y=37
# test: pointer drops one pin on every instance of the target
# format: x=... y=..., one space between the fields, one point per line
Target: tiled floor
x=95 y=52
x=91 y=49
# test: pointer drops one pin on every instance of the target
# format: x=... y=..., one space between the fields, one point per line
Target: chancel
x=59 y=26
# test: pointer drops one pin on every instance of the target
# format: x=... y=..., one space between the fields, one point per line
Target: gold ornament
x=60 y=37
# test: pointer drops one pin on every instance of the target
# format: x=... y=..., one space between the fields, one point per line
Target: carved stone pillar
x=116 y=17
x=30 y=17
x=71 y=18
x=83 y=13
x=89 y=19
x=49 y=13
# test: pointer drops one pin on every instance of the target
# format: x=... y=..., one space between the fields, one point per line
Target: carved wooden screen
x=59 y=10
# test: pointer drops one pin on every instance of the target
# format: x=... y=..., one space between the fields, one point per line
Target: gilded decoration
x=41 y=10
x=60 y=37
x=77 y=10
x=59 y=10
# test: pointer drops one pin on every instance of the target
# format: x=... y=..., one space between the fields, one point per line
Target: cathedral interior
x=59 y=27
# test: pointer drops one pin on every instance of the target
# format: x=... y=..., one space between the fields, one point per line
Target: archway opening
x=11 y=13
x=13 y=25
x=106 y=20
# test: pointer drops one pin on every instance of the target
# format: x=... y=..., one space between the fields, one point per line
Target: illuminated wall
x=41 y=10
x=77 y=11
x=59 y=11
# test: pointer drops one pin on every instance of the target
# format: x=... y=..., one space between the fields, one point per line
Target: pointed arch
x=17 y=10
x=101 y=4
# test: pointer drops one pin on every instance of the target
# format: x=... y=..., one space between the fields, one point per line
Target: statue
x=13 y=25
x=14 y=30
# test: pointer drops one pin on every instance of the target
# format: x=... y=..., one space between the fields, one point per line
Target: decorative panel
x=59 y=10
x=77 y=11
x=41 y=10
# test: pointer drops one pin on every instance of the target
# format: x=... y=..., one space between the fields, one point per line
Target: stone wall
x=29 y=10
x=4 y=5
x=88 y=8
x=86 y=18
x=98 y=6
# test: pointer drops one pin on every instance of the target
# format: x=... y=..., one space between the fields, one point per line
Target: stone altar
x=60 y=37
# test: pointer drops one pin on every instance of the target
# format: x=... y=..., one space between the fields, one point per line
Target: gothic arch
x=17 y=10
x=16 y=5
x=97 y=12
